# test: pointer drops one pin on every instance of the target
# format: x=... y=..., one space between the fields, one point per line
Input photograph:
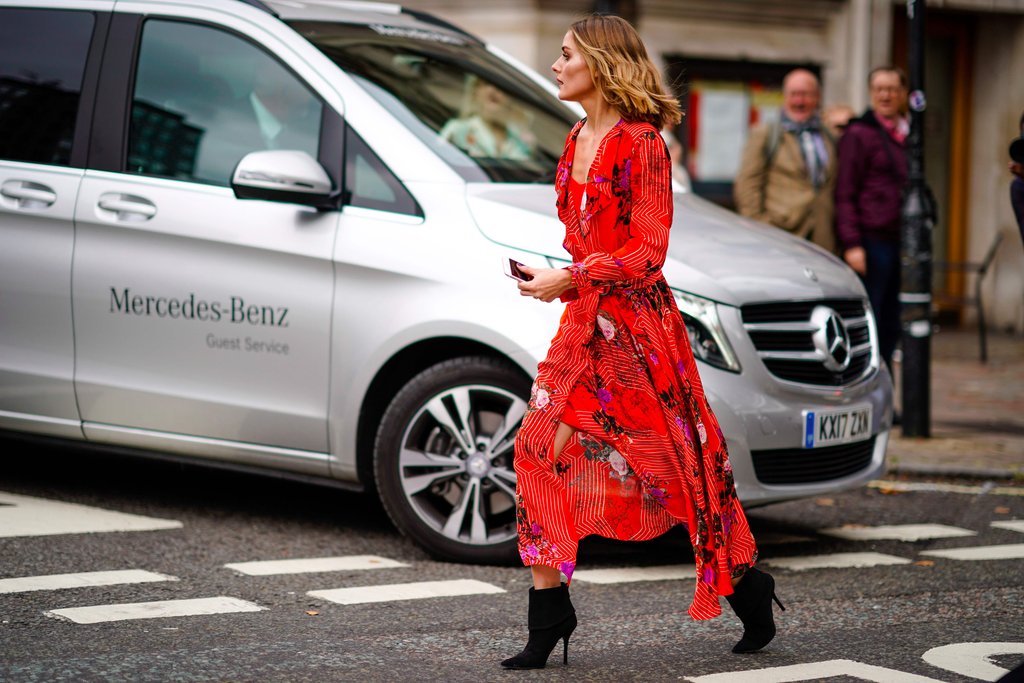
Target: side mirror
x=284 y=175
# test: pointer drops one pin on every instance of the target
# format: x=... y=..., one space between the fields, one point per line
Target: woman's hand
x=547 y=284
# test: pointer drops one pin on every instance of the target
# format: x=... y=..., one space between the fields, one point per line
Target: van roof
x=388 y=14
x=360 y=12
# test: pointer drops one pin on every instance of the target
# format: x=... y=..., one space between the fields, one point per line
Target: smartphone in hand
x=512 y=270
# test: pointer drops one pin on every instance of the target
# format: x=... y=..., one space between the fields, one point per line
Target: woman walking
x=618 y=439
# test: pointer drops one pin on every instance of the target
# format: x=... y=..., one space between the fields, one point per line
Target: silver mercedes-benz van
x=269 y=235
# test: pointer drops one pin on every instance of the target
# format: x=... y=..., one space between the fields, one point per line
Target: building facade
x=725 y=60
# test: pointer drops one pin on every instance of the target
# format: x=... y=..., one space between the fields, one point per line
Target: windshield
x=484 y=117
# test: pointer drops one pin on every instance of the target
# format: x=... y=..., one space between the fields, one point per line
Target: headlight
x=705 y=329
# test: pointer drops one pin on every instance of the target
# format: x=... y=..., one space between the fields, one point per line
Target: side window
x=204 y=98
x=42 y=61
x=370 y=184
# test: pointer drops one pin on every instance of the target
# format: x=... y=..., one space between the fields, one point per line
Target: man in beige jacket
x=788 y=172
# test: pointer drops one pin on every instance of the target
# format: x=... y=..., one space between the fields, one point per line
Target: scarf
x=812 y=146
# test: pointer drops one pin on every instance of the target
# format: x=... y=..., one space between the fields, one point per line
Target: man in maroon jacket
x=869 y=198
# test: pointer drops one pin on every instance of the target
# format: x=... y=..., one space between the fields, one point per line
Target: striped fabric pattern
x=648 y=453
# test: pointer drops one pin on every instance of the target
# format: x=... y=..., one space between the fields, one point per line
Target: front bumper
x=762 y=418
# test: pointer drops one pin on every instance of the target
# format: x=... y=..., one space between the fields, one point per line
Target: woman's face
x=572 y=73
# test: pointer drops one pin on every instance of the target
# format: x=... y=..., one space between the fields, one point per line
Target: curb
x=954 y=471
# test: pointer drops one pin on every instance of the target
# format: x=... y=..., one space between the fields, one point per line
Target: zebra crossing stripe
x=897 y=532
x=24 y=584
x=814 y=671
x=28 y=516
x=314 y=564
x=634 y=574
x=405 y=591
x=96 y=614
x=836 y=561
x=1010 y=525
x=1009 y=551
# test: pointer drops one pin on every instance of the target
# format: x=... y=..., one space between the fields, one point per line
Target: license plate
x=831 y=427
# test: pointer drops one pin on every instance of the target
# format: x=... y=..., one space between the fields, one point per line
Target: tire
x=443 y=459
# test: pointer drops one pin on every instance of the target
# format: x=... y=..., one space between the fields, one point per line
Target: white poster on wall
x=723 y=119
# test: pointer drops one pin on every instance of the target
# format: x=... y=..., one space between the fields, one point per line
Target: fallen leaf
x=925 y=563
x=312 y=612
x=825 y=502
x=889 y=492
x=1001 y=510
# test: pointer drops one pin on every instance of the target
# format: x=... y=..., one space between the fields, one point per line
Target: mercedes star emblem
x=831 y=340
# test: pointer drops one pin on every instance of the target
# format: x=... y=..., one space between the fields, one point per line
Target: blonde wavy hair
x=622 y=70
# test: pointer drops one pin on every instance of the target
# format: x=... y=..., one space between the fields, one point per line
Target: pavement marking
x=96 y=614
x=315 y=564
x=24 y=584
x=1009 y=551
x=1012 y=525
x=28 y=516
x=814 y=671
x=836 y=561
x=405 y=591
x=896 y=532
x=633 y=574
x=946 y=488
x=971 y=659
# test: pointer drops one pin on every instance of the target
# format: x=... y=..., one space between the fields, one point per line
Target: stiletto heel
x=552 y=618
x=752 y=602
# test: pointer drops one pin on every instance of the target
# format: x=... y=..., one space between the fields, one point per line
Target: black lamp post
x=916 y=249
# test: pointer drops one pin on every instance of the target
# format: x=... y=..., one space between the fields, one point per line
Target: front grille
x=774 y=340
x=816 y=373
x=783 y=334
x=784 y=311
x=808 y=465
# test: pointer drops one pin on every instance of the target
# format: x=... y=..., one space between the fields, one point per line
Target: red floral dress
x=648 y=453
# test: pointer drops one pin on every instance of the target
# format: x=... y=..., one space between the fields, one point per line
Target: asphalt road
x=878 y=622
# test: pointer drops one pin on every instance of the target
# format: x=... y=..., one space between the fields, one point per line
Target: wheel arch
x=395 y=373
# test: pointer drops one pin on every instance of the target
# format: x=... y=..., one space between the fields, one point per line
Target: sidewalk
x=977 y=410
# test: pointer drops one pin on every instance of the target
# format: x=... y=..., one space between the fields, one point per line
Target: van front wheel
x=443 y=459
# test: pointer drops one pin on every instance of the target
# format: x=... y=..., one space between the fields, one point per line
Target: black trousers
x=883 y=284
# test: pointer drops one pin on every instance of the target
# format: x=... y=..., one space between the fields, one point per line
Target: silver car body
x=110 y=283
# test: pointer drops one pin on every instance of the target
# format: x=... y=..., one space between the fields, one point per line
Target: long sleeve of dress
x=647 y=178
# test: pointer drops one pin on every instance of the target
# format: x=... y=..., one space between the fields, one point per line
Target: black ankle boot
x=752 y=601
x=552 y=618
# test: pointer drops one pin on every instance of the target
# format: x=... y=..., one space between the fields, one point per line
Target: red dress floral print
x=648 y=453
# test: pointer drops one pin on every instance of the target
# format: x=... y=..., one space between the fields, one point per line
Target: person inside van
x=487 y=125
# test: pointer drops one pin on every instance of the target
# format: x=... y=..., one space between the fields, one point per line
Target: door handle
x=27 y=194
x=127 y=206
